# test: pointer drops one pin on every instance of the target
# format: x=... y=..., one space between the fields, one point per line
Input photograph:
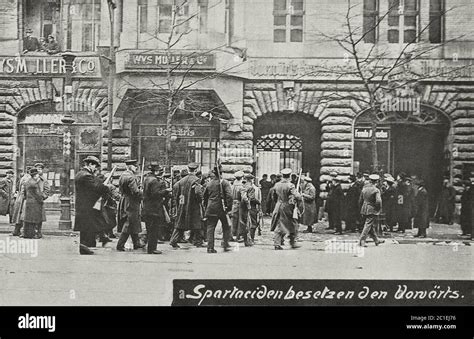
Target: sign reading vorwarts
x=163 y=61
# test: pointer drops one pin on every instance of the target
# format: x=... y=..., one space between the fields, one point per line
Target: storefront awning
x=192 y=102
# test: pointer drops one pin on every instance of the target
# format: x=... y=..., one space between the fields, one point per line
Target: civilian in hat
x=51 y=46
x=237 y=185
x=217 y=201
x=353 y=217
x=389 y=202
x=282 y=219
x=129 y=219
x=265 y=186
x=155 y=215
x=404 y=203
x=188 y=195
x=446 y=204
x=271 y=197
x=7 y=195
x=371 y=202
x=309 y=198
x=108 y=208
x=334 y=205
x=45 y=189
x=33 y=205
x=30 y=43
x=421 y=210
x=89 y=189
x=18 y=208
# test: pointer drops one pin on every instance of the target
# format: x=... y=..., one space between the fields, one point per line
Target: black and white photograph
x=226 y=155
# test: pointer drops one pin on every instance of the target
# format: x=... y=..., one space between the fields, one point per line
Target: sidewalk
x=436 y=233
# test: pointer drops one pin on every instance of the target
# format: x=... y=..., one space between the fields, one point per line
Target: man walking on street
x=6 y=195
x=216 y=194
x=353 y=207
x=236 y=187
x=155 y=193
x=89 y=188
x=129 y=221
x=282 y=220
x=45 y=189
x=371 y=202
x=188 y=197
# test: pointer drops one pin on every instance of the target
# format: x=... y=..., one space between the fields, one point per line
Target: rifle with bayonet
x=98 y=204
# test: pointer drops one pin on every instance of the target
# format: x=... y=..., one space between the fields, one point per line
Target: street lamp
x=65 y=222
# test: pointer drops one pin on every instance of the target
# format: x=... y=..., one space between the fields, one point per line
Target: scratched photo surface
x=236 y=152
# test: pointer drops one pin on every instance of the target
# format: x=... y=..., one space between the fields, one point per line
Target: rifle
x=295 y=211
x=221 y=192
x=143 y=172
x=98 y=203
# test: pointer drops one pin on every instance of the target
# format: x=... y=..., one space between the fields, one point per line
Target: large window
x=288 y=20
x=203 y=8
x=83 y=25
x=142 y=15
x=403 y=21
x=181 y=10
x=371 y=17
x=436 y=34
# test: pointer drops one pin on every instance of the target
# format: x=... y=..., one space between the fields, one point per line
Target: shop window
x=403 y=21
x=181 y=9
x=436 y=21
x=143 y=15
x=288 y=17
x=370 y=22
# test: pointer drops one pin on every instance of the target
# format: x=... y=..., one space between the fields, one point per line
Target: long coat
x=309 y=199
x=6 y=196
x=404 y=203
x=155 y=194
x=389 y=205
x=214 y=194
x=334 y=200
x=33 y=202
x=446 y=202
x=371 y=200
x=188 y=198
x=422 y=210
x=89 y=189
x=128 y=216
x=352 y=202
x=284 y=207
x=45 y=190
x=108 y=206
x=265 y=187
x=18 y=208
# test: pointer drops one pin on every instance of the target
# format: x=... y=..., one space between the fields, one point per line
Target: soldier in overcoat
x=7 y=195
x=310 y=210
x=371 y=202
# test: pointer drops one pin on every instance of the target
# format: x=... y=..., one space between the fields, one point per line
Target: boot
x=136 y=242
x=247 y=242
x=121 y=242
x=252 y=234
x=39 y=235
x=17 y=230
x=362 y=243
x=83 y=249
x=308 y=230
x=293 y=242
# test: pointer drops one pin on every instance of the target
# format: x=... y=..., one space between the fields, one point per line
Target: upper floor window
x=288 y=20
x=203 y=7
x=142 y=15
x=403 y=21
x=436 y=34
x=371 y=17
x=180 y=8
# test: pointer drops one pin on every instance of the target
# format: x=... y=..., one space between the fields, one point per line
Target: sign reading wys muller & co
x=157 y=61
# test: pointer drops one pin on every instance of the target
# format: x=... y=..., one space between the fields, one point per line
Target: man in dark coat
x=265 y=186
x=371 y=202
x=188 y=196
x=236 y=187
x=282 y=219
x=446 y=203
x=217 y=200
x=353 y=207
x=421 y=210
x=45 y=190
x=334 y=204
x=88 y=220
x=6 y=195
x=310 y=210
x=404 y=203
x=33 y=205
x=248 y=210
x=30 y=43
x=466 y=208
x=129 y=219
x=155 y=193
x=389 y=202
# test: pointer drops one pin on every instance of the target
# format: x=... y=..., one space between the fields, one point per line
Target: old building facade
x=263 y=71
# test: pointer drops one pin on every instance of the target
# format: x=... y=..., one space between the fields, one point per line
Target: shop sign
x=180 y=131
x=55 y=130
x=47 y=65
x=366 y=133
x=162 y=61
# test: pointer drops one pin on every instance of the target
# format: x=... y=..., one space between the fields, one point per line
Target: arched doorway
x=287 y=140
x=416 y=143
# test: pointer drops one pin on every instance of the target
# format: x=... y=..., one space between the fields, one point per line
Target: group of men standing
x=23 y=201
